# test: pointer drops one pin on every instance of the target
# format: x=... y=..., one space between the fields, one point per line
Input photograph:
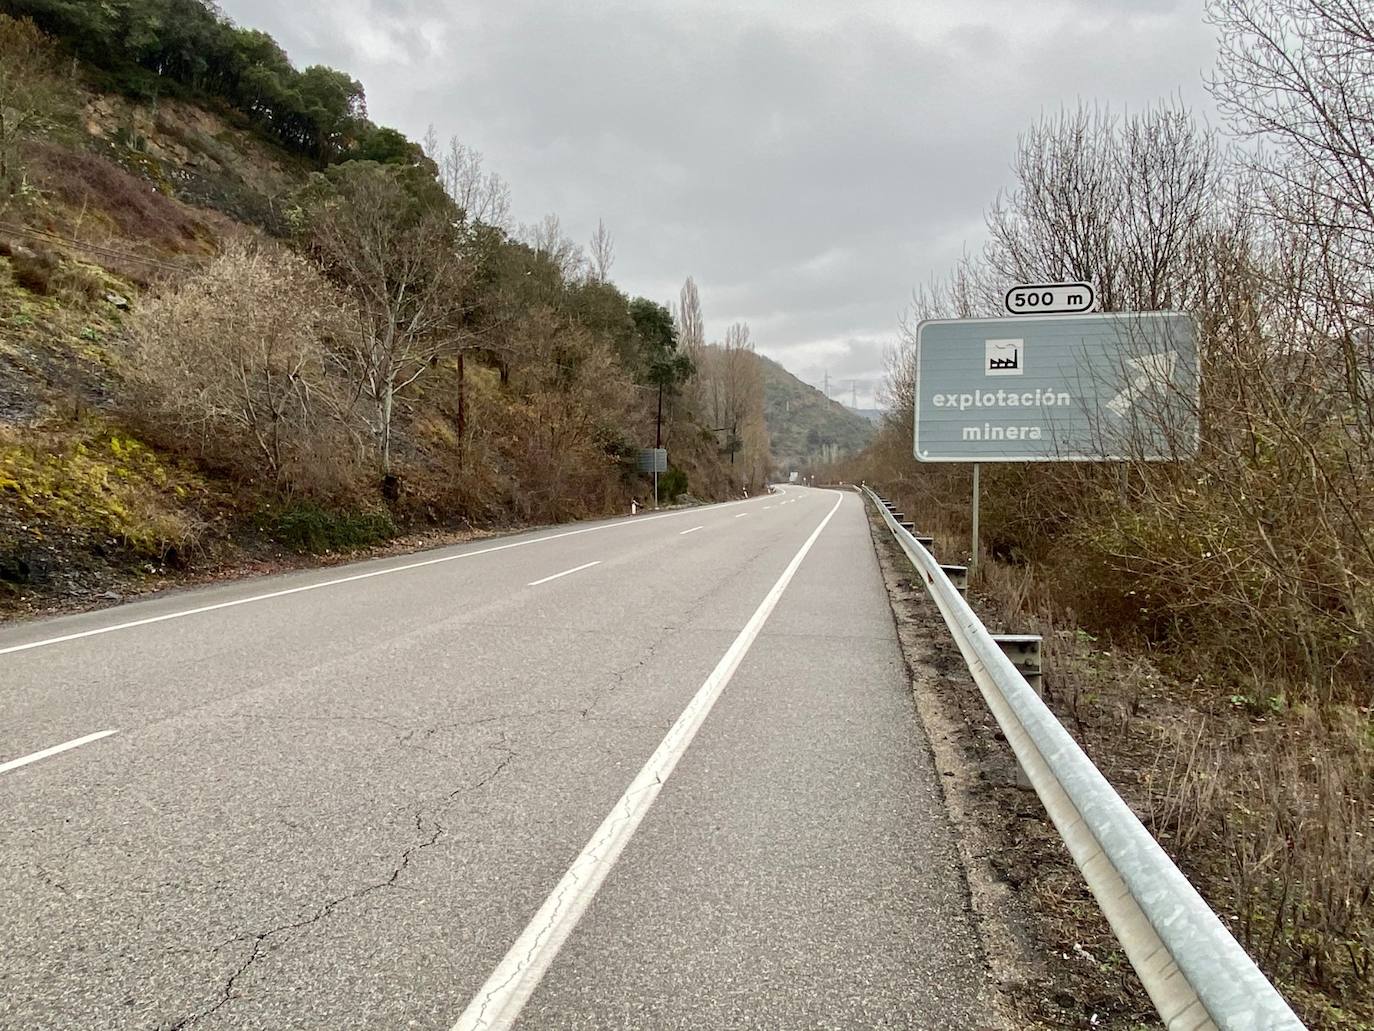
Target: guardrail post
x=926 y=542
x=958 y=576
x=1024 y=652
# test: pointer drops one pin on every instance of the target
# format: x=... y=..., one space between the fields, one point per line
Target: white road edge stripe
x=684 y=533
x=66 y=746
x=344 y=580
x=566 y=572
x=498 y=1003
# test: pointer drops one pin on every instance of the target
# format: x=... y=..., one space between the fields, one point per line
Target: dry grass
x=136 y=209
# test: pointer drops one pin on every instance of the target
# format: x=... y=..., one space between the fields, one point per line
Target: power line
x=93 y=248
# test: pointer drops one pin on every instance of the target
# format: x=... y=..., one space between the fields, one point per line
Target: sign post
x=1056 y=388
x=977 y=492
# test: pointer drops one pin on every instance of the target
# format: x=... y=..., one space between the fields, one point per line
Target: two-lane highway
x=661 y=772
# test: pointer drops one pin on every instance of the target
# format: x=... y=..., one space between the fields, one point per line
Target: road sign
x=1067 y=388
x=653 y=460
x=1051 y=299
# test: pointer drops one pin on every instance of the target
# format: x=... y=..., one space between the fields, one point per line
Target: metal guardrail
x=1196 y=973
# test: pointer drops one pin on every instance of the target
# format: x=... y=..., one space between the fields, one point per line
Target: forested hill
x=804 y=426
x=148 y=49
x=238 y=319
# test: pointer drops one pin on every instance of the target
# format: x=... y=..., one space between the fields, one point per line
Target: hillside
x=803 y=423
x=234 y=330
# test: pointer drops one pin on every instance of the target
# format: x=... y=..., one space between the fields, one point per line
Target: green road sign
x=1065 y=388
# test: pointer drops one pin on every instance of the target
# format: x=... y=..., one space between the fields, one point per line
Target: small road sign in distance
x=1051 y=299
x=1059 y=388
x=653 y=460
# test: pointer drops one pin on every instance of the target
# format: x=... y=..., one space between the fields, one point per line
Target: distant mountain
x=873 y=415
x=804 y=426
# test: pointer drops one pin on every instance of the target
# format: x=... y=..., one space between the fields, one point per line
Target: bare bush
x=32 y=94
x=234 y=365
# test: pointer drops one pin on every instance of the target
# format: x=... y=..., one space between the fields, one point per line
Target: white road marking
x=684 y=533
x=498 y=1003
x=566 y=572
x=14 y=764
x=767 y=507
x=636 y=521
x=741 y=515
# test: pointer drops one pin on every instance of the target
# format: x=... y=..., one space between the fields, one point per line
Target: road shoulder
x=1001 y=831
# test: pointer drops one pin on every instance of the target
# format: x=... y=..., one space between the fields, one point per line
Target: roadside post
x=1053 y=386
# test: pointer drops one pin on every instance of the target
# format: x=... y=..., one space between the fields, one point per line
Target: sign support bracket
x=973 y=562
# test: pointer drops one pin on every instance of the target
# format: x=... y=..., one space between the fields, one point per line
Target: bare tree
x=546 y=237
x=483 y=196
x=383 y=235
x=602 y=253
x=691 y=326
x=1117 y=202
x=1297 y=75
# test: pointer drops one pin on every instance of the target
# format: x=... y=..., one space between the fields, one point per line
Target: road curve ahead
x=660 y=772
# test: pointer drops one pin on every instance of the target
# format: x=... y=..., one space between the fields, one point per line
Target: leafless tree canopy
x=236 y=359
x=482 y=196
x=602 y=251
x=547 y=238
x=396 y=258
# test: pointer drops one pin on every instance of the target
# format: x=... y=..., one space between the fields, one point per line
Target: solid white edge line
x=566 y=572
x=635 y=521
x=66 y=746
x=498 y=1003
x=684 y=533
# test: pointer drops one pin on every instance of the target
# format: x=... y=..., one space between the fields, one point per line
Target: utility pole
x=854 y=394
x=827 y=384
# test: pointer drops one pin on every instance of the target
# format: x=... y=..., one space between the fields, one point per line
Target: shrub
x=671 y=484
x=233 y=365
x=310 y=529
x=85 y=180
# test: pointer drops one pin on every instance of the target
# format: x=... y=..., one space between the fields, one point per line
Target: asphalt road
x=347 y=798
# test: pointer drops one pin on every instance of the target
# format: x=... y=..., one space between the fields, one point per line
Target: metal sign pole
x=655 y=486
x=973 y=562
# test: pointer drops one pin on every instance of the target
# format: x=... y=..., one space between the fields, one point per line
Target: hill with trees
x=239 y=320
x=805 y=427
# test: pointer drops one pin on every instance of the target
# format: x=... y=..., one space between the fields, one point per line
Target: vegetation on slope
x=149 y=49
x=226 y=330
x=805 y=427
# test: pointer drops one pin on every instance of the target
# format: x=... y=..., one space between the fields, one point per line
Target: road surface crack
x=429 y=836
x=619 y=676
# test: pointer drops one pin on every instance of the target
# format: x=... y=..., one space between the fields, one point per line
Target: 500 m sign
x=1051 y=299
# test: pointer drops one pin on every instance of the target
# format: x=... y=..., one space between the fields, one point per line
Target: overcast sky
x=807 y=161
